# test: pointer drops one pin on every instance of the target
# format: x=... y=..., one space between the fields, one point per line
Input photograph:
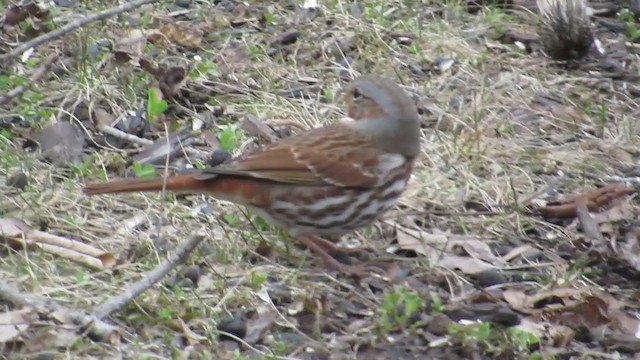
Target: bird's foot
x=331 y=255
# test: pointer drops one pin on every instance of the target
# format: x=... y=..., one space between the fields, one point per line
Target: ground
x=491 y=257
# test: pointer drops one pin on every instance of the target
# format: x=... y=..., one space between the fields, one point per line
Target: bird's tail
x=240 y=190
x=177 y=183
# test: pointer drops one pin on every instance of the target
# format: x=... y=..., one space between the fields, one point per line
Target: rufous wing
x=333 y=155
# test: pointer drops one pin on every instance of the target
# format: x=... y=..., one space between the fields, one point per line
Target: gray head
x=382 y=110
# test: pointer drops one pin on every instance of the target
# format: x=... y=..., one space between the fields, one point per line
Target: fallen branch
x=73 y=26
x=17 y=231
x=180 y=256
x=95 y=327
x=35 y=77
x=593 y=200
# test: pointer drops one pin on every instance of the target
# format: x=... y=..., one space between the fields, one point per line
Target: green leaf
x=228 y=138
x=155 y=106
x=230 y=219
x=258 y=278
x=144 y=170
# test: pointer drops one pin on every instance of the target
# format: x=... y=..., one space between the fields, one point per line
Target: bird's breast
x=332 y=209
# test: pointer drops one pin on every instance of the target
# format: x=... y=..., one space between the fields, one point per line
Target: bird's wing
x=332 y=154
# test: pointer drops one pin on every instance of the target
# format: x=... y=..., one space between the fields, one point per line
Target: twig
x=593 y=200
x=37 y=75
x=74 y=25
x=97 y=328
x=108 y=130
x=152 y=277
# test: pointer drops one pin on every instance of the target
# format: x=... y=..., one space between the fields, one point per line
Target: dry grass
x=475 y=152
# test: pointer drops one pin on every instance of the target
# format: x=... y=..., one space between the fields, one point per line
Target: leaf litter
x=479 y=256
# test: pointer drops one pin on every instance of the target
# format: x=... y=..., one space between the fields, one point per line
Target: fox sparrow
x=324 y=181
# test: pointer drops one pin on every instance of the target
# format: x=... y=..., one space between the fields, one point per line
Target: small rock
x=193 y=273
x=489 y=278
x=186 y=4
x=287 y=38
x=18 y=180
x=60 y=143
x=236 y=326
x=218 y=157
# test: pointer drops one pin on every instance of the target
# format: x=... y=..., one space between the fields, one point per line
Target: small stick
x=74 y=25
x=108 y=130
x=180 y=256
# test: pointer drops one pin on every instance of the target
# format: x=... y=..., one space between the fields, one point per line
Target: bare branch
x=152 y=277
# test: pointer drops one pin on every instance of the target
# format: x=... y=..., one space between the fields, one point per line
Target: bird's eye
x=357 y=94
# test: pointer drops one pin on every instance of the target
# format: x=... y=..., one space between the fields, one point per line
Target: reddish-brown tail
x=172 y=183
x=246 y=191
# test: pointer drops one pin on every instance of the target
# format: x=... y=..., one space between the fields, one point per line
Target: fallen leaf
x=258 y=326
x=184 y=34
x=517 y=299
x=102 y=117
x=172 y=80
x=55 y=336
x=443 y=249
x=530 y=304
x=14 y=323
x=189 y=334
x=130 y=47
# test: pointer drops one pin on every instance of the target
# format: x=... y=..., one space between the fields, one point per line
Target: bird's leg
x=311 y=242
x=333 y=249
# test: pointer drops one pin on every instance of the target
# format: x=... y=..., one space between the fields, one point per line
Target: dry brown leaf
x=56 y=336
x=14 y=323
x=102 y=117
x=534 y=327
x=15 y=14
x=517 y=299
x=172 y=79
x=258 y=326
x=465 y=264
x=620 y=211
x=620 y=320
x=523 y=302
x=608 y=220
x=184 y=34
x=629 y=250
x=130 y=47
x=189 y=334
x=443 y=249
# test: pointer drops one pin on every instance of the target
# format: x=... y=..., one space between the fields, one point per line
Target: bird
x=321 y=182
